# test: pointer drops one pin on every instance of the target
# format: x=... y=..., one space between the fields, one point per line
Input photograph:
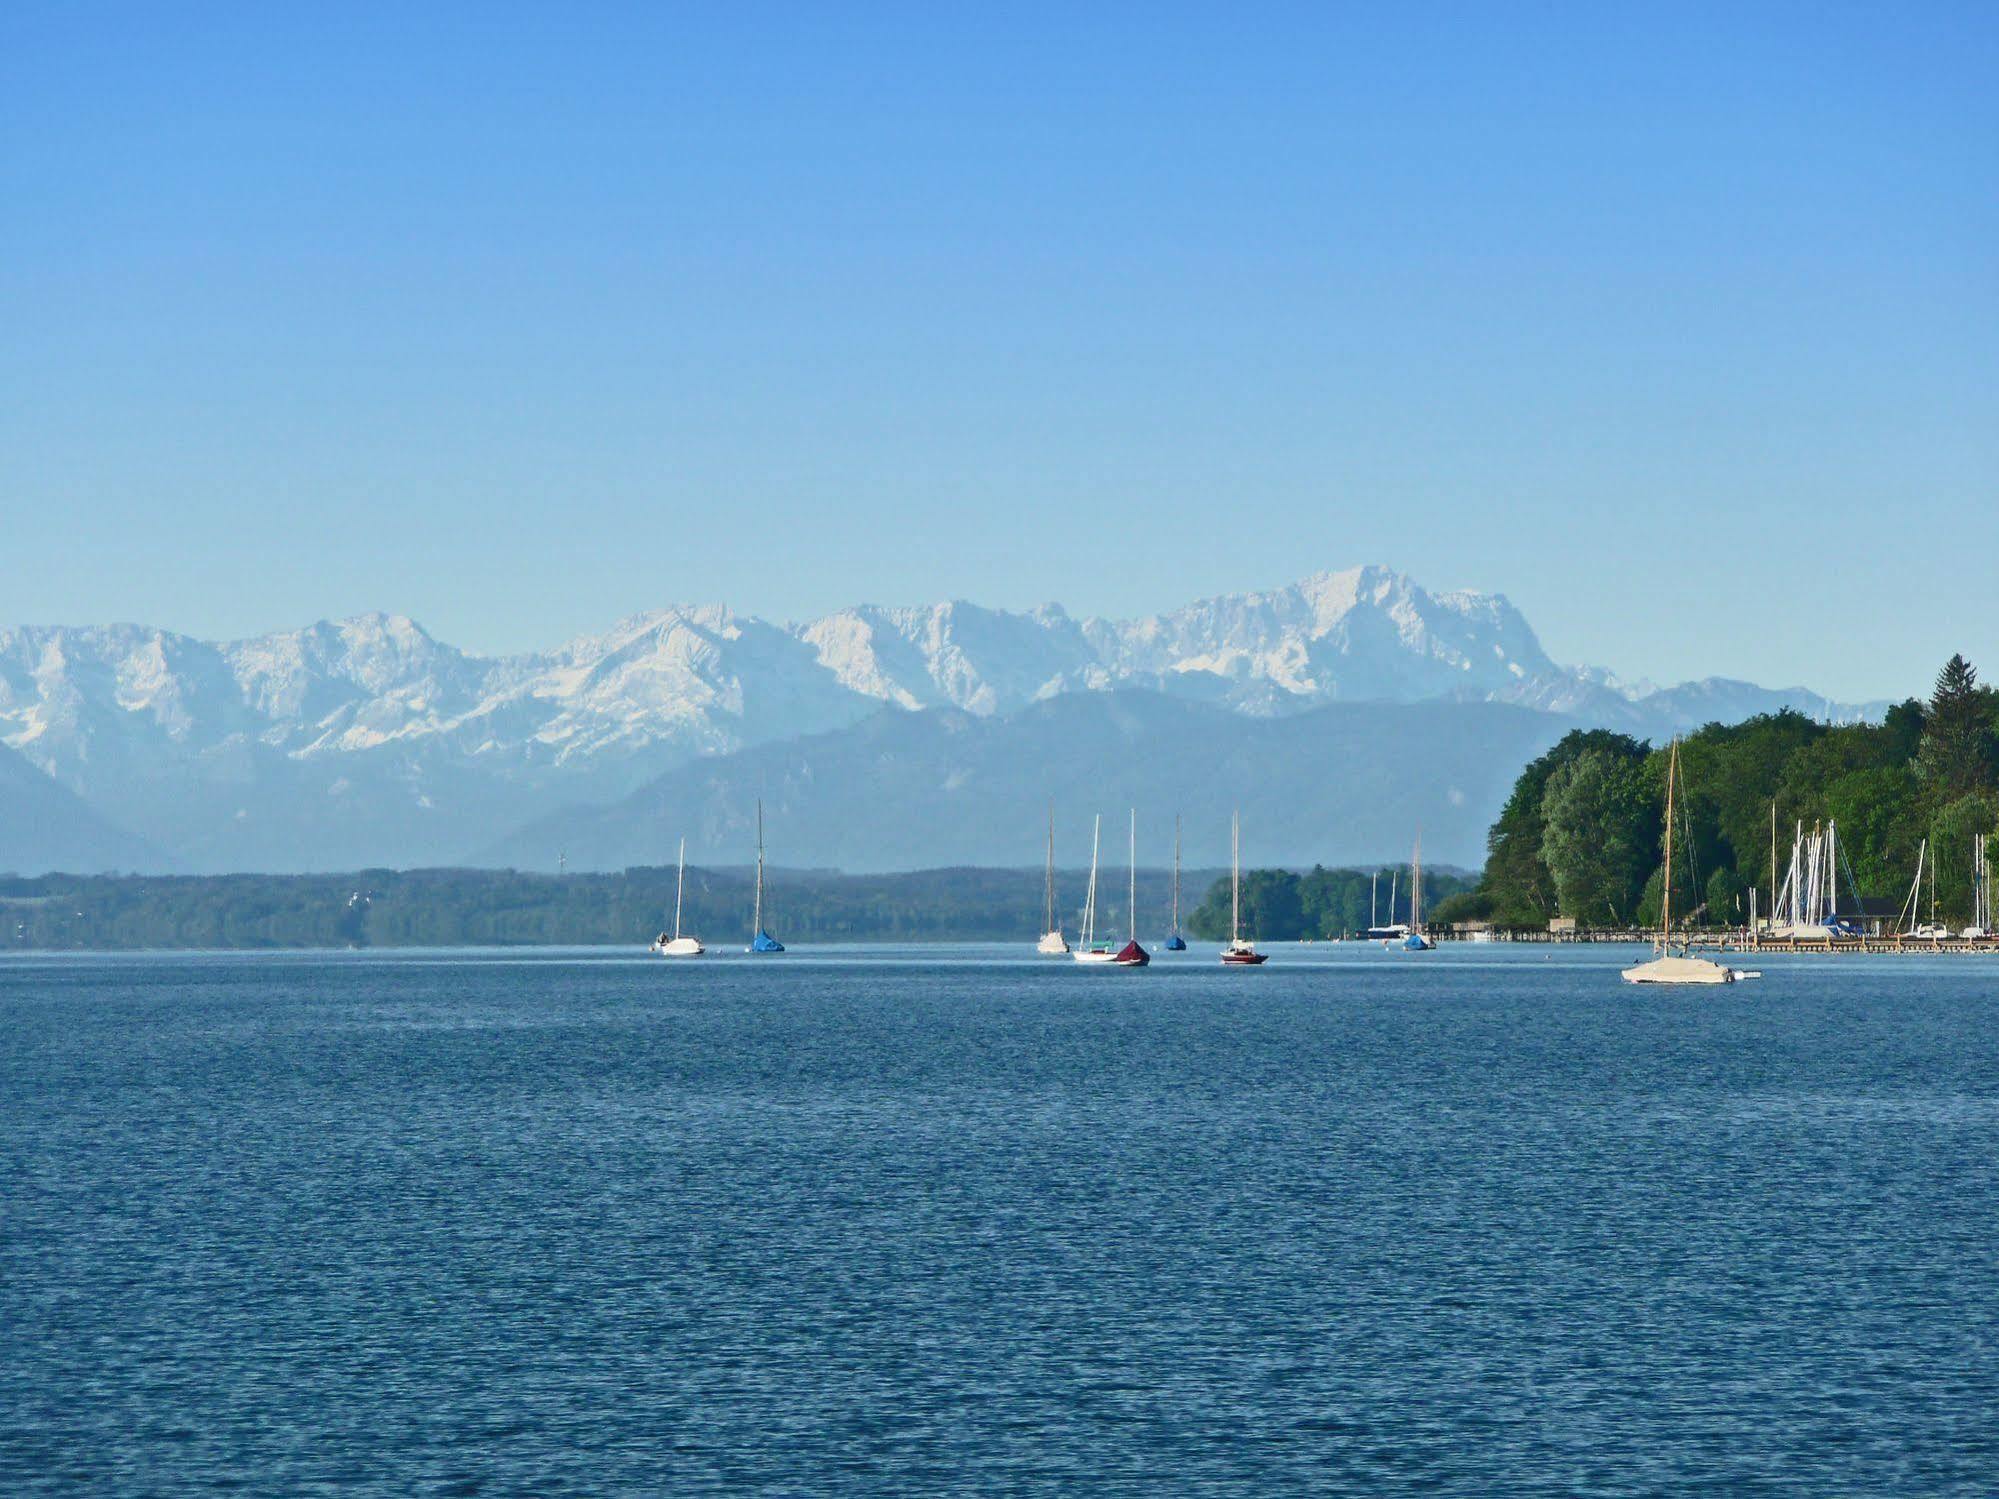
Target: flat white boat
x=1668 y=967
x=1684 y=970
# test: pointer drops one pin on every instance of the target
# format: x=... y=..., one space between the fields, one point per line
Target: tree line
x=481 y=907
x=1582 y=832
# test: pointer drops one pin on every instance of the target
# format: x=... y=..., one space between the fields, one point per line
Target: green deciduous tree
x=1951 y=833
x=1518 y=885
x=1602 y=829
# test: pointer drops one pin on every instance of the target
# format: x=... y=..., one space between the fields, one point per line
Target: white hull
x=1684 y=971
x=679 y=947
x=1094 y=955
x=1052 y=945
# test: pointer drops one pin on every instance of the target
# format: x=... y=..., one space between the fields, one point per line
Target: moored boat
x=1683 y=967
x=1175 y=942
x=1088 y=949
x=1052 y=944
x=763 y=941
x=1238 y=953
x=1131 y=955
x=1413 y=939
x=676 y=945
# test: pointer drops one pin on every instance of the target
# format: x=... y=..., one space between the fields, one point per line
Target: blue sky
x=1677 y=324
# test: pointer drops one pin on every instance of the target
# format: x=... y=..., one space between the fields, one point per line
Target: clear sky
x=1677 y=324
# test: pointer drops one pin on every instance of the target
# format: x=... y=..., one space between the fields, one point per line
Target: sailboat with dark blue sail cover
x=1175 y=943
x=763 y=941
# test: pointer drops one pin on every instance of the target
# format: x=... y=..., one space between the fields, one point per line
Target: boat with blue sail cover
x=1413 y=940
x=763 y=941
x=1175 y=942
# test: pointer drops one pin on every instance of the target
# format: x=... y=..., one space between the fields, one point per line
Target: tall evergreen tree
x=1957 y=753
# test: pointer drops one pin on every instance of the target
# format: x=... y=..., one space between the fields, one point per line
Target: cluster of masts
x=1806 y=907
x=1238 y=952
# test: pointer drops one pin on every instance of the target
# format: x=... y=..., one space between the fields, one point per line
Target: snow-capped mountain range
x=368 y=741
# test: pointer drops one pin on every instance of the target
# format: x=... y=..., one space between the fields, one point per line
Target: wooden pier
x=1745 y=942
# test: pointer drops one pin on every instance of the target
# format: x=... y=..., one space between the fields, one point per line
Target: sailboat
x=763 y=941
x=1391 y=932
x=1666 y=968
x=1131 y=955
x=1088 y=949
x=1981 y=891
x=1910 y=922
x=1052 y=944
x=1238 y=954
x=1176 y=943
x=1414 y=940
x=677 y=946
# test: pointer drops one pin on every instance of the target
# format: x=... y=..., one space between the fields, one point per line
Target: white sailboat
x=1910 y=922
x=677 y=946
x=1088 y=949
x=1052 y=944
x=1683 y=968
x=1981 y=891
x=1391 y=932
x=1238 y=954
x=1807 y=902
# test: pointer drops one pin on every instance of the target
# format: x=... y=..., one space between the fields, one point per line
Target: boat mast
x=1416 y=885
x=1090 y=900
x=1912 y=908
x=1176 y=874
x=1049 y=924
x=1773 y=861
x=1131 y=898
x=1666 y=883
x=759 y=918
x=679 y=884
x=1235 y=877
x=1373 y=915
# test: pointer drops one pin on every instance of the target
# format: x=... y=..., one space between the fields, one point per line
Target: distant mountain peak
x=371 y=715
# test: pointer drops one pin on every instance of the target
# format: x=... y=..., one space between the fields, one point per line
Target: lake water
x=1481 y=1221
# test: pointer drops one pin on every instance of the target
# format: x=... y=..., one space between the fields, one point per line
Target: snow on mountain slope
x=370 y=735
x=953 y=655
x=1366 y=634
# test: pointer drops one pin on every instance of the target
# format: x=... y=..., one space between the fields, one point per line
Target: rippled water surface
x=1481 y=1221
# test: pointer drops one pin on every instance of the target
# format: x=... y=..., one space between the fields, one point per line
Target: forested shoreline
x=479 y=907
x=1581 y=835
